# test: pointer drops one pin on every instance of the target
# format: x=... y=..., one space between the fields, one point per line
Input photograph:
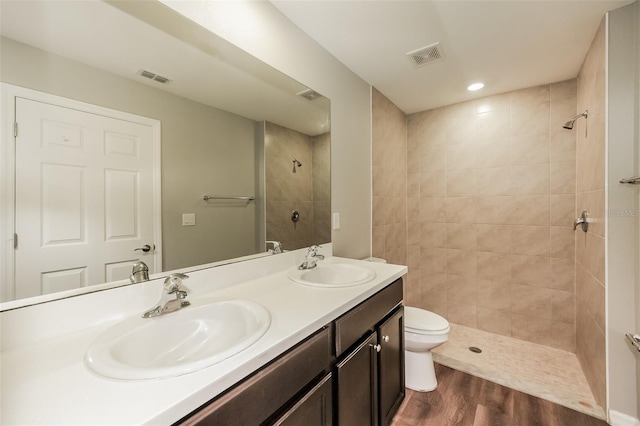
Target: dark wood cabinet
x=315 y=408
x=356 y=378
x=370 y=372
x=391 y=366
x=351 y=372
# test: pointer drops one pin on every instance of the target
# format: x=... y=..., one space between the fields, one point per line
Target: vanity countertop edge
x=46 y=382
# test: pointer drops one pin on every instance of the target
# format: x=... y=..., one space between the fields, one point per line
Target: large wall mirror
x=243 y=154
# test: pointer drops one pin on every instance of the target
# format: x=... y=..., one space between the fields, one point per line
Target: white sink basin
x=333 y=275
x=178 y=343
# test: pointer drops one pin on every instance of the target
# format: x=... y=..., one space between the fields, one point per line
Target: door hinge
x=15 y=241
x=15 y=129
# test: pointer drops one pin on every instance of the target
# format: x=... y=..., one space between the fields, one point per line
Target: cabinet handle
x=377 y=348
x=385 y=338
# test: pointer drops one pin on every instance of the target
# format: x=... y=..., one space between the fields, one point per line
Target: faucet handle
x=314 y=249
x=173 y=282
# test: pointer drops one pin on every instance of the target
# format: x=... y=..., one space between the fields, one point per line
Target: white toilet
x=423 y=331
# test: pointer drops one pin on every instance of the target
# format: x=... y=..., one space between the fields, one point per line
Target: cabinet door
x=357 y=385
x=313 y=409
x=391 y=366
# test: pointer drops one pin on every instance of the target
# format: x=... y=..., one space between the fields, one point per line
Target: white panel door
x=84 y=198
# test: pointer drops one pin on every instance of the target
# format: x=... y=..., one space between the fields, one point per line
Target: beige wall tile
x=562 y=178
x=563 y=336
x=530 y=180
x=493 y=181
x=534 y=271
x=496 y=182
x=563 y=89
x=460 y=183
x=530 y=240
x=433 y=234
x=492 y=152
x=530 y=119
x=494 y=294
x=463 y=314
x=530 y=210
x=461 y=290
x=494 y=210
x=494 y=321
x=460 y=209
x=563 y=274
x=529 y=149
x=432 y=184
x=562 y=209
x=493 y=266
x=432 y=209
x=493 y=124
x=493 y=238
x=563 y=306
x=562 y=242
x=461 y=262
x=531 y=329
x=461 y=236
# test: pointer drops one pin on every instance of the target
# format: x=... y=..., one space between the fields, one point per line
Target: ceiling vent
x=153 y=76
x=310 y=94
x=426 y=55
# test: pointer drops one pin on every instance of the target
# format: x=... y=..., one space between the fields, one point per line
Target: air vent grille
x=153 y=76
x=310 y=94
x=426 y=55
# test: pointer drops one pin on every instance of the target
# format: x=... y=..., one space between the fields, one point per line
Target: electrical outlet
x=188 y=219
x=335 y=218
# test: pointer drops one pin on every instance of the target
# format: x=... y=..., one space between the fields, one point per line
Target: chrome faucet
x=139 y=273
x=582 y=221
x=277 y=247
x=173 y=297
x=311 y=258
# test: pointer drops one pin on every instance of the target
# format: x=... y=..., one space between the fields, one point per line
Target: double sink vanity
x=258 y=342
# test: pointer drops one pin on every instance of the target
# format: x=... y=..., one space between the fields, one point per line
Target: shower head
x=569 y=124
x=296 y=163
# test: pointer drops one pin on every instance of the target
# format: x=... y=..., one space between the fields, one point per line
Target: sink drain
x=475 y=350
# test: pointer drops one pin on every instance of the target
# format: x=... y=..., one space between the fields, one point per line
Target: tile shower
x=489 y=187
x=307 y=190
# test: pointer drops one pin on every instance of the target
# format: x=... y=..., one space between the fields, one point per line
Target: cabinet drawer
x=362 y=319
x=313 y=409
x=254 y=400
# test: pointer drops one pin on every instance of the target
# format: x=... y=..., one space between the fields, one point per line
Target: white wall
x=260 y=29
x=622 y=205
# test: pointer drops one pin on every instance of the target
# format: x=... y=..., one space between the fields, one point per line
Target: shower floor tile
x=538 y=370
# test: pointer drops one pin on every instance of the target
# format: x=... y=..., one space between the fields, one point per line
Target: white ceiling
x=508 y=45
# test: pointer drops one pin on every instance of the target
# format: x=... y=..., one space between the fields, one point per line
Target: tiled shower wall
x=389 y=148
x=490 y=205
x=491 y=200
x=306 y=190
x=590 y=259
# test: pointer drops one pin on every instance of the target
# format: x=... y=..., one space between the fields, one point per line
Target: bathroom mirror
x=231 y=125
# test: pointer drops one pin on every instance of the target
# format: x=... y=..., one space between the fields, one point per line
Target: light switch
x=188 y=219
x=335 y=218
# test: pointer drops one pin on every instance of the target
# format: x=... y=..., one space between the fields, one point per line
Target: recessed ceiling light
x=475 y=86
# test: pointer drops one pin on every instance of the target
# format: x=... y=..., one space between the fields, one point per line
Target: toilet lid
x=416 y=319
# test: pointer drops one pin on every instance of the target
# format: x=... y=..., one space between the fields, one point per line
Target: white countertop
x=44 y=379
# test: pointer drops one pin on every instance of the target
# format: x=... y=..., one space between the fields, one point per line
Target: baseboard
x=617 y=418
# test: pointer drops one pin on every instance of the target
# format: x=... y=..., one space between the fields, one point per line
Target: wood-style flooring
x=466 y=400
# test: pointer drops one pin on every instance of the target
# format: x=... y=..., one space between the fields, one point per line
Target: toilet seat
x=420 y=321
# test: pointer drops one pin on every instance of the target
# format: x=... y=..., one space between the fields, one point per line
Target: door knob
x=385 y=338
x=145 y=248
x=376 y=348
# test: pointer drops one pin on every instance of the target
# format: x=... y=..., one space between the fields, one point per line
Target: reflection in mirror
x=226 y=125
